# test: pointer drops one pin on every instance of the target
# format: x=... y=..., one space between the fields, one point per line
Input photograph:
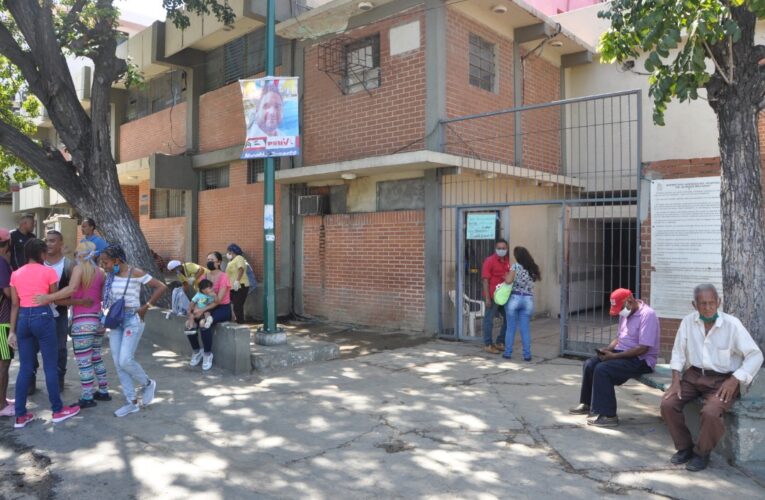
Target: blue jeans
x=488 y=323
x=519 y=310
x=123 y=343
x=35 y=328
x=600 y=377
x=220 y=314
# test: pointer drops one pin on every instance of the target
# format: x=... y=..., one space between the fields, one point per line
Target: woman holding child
x=219 y=310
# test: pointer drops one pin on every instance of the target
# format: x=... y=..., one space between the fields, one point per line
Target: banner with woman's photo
x=271 y=117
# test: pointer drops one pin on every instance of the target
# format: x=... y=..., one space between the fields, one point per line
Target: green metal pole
x=269 y=196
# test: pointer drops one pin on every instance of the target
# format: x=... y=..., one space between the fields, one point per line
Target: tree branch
x=74 y=12
x=21 y=59
x=717 y=65
x=49 y=165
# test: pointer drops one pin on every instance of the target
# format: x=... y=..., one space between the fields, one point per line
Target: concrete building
x=428 y=129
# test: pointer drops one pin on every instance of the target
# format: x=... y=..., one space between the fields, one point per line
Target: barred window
x=156 y=94
x=254 y=168
x=482 y=63
x=167 y=203
x=362 y=65
x=242 y=57
x=214 y=178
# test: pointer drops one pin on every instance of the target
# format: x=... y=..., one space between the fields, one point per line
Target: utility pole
x=269 y=213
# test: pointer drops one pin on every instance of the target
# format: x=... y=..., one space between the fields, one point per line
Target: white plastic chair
x=471 y=311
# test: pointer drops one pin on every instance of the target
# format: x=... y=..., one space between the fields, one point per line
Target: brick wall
x=541 y=127
x=221 y=118
x=167 y=237
x=343 y=127
x=161 y=132
x=235 y=215
x=131 y=195
x=493 y=138
x=366 y=268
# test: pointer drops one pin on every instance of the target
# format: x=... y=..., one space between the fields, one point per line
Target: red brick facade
x=235 y=215
x=166 y=236
x=366 y=268
x=131 y=195
x=340 y=127
x=161 y=132
x=221 y=118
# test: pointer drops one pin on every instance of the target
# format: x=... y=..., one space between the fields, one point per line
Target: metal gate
x=561 y=179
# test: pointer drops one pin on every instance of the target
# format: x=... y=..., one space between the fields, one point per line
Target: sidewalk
x=441 y=419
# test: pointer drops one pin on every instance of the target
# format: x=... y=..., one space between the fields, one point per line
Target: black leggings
x=238 y=298
x=220 y=314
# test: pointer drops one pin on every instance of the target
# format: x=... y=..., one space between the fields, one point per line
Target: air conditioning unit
x=312 y=205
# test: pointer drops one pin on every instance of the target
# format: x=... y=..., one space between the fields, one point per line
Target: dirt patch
x=24 y=473
x=356 y=341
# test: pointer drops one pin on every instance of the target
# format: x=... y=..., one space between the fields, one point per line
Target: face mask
x=116 y=269
x=708 y=320
x=625 y=313
x=211 y=266
x=501 y=252
x=230 y=256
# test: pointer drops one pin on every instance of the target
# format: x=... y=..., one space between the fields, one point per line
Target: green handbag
x=502 y=293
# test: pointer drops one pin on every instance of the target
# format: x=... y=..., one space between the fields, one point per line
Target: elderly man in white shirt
x=713 y=354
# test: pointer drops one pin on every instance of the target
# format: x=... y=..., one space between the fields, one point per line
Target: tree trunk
x=743 y=225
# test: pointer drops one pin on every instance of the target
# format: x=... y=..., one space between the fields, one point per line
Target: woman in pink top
x=85 y=289
x=220 y=310
x=33 y=326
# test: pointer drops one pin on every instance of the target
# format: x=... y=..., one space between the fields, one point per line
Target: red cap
x=5 y=235
x=618 y=297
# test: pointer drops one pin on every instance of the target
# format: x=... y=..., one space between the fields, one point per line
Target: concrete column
x=435 y=110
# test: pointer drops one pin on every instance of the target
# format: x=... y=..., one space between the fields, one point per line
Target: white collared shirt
x=727 y=347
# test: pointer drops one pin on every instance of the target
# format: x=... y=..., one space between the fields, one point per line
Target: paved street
x=439 y=419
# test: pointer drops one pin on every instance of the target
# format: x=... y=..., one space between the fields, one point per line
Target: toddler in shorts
x=203 y=298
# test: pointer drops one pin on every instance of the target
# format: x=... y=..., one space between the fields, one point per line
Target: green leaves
x=178 y=10
x=677 y=39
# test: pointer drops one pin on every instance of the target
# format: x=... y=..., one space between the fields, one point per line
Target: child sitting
x=204 y=297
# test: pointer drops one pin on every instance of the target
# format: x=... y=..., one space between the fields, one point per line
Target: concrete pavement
x=440 y=419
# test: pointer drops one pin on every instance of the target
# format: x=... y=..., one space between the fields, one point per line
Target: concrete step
x=296 y=352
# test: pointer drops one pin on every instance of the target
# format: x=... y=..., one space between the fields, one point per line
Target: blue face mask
x=116 y=269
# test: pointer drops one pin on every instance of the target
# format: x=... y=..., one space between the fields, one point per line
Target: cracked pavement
x=436 y=420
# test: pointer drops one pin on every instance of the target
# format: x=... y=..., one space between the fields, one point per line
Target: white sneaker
x=207 y=364
x=148 y=392
x=196 y=358
x=208 y=322
x=127 y=410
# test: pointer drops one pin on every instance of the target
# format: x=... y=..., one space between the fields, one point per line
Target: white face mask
x=625 y=313
x=230 y=256
x=501 y=252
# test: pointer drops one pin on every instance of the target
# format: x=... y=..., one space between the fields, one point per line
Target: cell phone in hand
x=599 y=351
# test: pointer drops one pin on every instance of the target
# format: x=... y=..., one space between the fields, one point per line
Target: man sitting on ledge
x=631 y=354
x=713 y=354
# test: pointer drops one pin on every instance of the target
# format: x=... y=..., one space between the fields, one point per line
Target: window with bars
x=362 y=65
x=167 y=203
x=482 y=63
x=243 y=57
x=214 y=178
x=256 y=167
x=155 y=95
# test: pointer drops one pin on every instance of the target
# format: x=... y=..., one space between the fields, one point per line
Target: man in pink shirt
x=631 y=354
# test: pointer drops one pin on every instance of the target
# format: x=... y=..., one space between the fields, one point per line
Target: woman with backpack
x=237 y=272
x=124 y=283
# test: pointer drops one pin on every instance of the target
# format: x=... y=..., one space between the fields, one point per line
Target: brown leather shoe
x=491 y=349
x=500 y=346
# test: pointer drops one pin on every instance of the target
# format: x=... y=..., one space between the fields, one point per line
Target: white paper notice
x=268 y=217
x=686 y=242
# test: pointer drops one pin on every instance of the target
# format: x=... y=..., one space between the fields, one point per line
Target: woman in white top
x=125 y=281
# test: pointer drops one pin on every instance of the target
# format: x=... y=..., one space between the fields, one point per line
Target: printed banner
x=271 y=117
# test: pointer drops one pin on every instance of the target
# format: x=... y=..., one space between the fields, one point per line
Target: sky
x=149 y=9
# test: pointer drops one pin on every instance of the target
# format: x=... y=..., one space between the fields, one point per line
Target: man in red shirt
x=493 y=272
